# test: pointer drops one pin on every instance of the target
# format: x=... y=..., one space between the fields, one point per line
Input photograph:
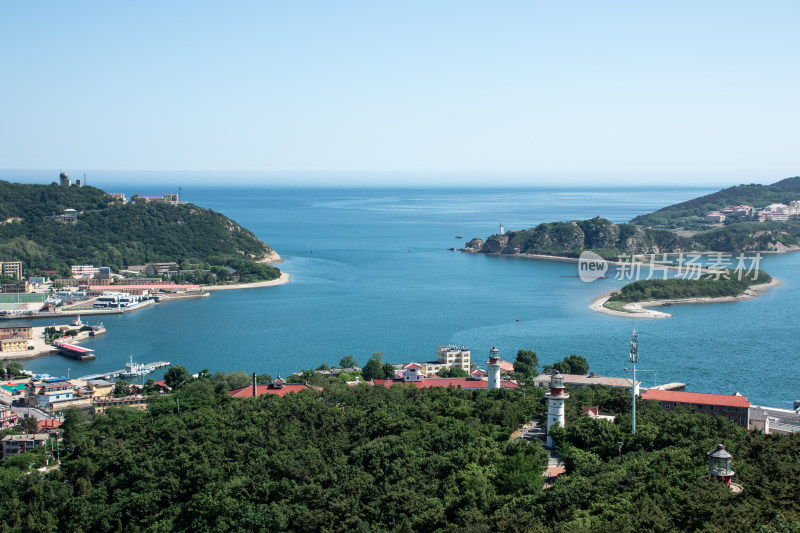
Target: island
x=724 y=286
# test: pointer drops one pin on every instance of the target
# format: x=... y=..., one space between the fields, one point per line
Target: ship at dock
x=133 y=370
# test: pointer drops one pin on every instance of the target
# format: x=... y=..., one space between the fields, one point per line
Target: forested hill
x=677 y=215
x=109 y=233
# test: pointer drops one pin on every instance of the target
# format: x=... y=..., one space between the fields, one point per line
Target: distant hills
x=110 y=233
x=674 y=229
x=679 y=215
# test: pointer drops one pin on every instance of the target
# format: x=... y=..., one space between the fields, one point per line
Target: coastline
x=638 y=309
x=285 y=278
x=39 y=346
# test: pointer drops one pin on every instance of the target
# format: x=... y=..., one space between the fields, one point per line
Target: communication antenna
x=179 y=194
x=84 y=179
x=634 y=356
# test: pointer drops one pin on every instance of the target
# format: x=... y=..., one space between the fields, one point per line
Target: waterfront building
x=13 y=343
x=17 y=327
x=580 y=380
x=99 y=388
x=14 y=444
x=136 y=401
x=555 y=406
x=412 y=375
x=448 y=356
x=49 y=392
x=735 y=407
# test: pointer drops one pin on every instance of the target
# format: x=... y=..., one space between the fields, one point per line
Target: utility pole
x=634 y=359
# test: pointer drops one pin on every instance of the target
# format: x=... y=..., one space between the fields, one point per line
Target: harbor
x=131 y=370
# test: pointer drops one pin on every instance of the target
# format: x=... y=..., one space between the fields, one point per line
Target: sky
x=413 y=92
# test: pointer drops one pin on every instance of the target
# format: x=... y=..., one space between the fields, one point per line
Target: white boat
x=133 y=370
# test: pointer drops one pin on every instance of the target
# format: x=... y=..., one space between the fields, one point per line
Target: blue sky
x=450 y=92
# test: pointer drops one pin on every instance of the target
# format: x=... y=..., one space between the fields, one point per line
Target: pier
x=150 y=367
x=73 y=351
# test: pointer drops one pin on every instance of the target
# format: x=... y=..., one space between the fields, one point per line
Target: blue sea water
x=371 y=273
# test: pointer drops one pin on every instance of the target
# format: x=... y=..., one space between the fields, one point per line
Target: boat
x=133 y=370
x=459 y=237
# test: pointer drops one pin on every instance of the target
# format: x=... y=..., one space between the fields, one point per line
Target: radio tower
x=634 y=359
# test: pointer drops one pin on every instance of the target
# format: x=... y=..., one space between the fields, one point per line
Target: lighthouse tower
x=502 y=229
x=493 y=364
x=555 y=408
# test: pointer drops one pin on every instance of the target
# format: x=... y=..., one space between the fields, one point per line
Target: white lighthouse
x=555 y=407
x=502 y=229
x=493 y=364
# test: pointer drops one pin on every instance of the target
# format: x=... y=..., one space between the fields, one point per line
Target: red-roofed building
x=48 y=424
x=281 y=389
x=459 y=383
x=735 y=407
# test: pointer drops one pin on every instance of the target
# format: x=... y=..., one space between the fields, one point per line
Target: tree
x=348 y=361
x=121 y=388
x=14 y=369
x=29 y=425
x=577 y=364
x=453 y=372
x=323 y=367
x=176 y=377
x=374 y=368
x=526 y=366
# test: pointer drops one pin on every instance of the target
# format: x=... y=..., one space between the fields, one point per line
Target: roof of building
x=14 y=324
x=49 y=423
x=459 y=383
x=132 y=398
x=580 y=379
x=506 y=366
x=24 y=437
x=99 y=383
x=74 y=348
x=247 y=392
x=735 y=400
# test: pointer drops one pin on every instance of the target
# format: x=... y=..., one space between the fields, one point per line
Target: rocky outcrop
x=571 y=238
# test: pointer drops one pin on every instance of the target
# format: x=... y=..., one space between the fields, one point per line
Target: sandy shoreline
x=638 y=309
x=285 y=277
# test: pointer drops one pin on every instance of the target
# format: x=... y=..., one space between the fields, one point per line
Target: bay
x=371 y=273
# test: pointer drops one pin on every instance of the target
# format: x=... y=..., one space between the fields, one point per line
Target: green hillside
x=682 y=214
x=345 y=459
x=111 y=234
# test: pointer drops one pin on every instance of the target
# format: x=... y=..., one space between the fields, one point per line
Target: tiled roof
x=696 y=398
x=247 y=392
x=460 y=383
x=50 y=423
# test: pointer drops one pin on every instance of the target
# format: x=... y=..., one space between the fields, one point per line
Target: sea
x=372 y=272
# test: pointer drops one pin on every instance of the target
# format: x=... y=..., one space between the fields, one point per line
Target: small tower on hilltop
x=719 y=465
x=64 y=179
x=493 y=364
x=502 y=229
x=555 y=407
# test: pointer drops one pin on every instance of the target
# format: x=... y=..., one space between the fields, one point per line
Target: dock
x=149 y=367
x=73 y=351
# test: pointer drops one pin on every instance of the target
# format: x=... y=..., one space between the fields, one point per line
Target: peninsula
x=745 y=218
x=67 y=231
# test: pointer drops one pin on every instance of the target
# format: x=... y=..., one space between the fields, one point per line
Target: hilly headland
x=51 y=228
x=744 y=218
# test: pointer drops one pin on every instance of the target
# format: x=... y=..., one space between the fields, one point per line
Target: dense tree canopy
x=111 y=234
x=402 y=459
